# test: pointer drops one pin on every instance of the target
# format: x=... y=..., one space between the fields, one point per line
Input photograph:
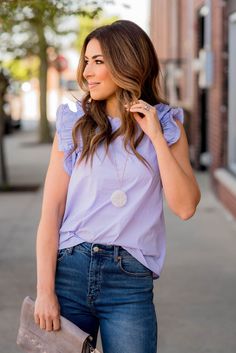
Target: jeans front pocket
x=131 y=266
x=62 y=253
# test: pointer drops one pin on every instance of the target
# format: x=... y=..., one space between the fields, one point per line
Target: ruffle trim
x=166 y=116
x=65 y=120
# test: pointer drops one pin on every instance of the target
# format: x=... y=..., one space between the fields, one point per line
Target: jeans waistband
x=96 y=248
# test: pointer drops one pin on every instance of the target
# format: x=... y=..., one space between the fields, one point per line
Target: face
x=96 y=73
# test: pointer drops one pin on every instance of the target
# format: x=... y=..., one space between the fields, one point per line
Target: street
x=195 y=295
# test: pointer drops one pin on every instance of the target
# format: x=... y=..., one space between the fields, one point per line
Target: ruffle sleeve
x=65 y=120
x=166 y=116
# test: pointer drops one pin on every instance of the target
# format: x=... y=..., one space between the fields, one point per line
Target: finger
x=42 y=323
x=49 y=325
x=130 y=104
x=137 y=104
x=138 y=117
x=146 y=106
x=56 y=324
x=138 y=109
x=141 y=102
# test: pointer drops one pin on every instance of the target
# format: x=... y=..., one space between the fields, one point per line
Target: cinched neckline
x=113 y=117
x=117 y=121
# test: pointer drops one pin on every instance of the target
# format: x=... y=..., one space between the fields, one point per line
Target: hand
x=47 y=312
x=149 y=121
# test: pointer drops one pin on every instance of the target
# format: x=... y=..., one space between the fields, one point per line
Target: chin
x=97 y=97
x=101 y=96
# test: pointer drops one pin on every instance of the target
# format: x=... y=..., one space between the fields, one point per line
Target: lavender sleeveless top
x=90 y=216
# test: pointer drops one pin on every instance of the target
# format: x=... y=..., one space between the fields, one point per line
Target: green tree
x=30 y=27
x=22 y=69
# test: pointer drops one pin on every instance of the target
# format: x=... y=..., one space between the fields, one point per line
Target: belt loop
x=116 y=253
x=91 y=249
x=70 y=250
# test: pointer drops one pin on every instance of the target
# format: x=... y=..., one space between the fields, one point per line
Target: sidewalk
x=195 y=296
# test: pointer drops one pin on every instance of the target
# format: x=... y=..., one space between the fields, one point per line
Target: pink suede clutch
x=32 y=339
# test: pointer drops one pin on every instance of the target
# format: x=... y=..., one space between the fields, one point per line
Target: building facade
x=195 y=42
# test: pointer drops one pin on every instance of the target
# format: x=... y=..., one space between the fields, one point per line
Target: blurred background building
x=195 y=41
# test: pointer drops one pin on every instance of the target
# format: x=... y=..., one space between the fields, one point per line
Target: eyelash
x=96 y=61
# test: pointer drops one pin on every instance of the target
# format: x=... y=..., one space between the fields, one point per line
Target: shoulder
x=66 y=117
x=65 y=121
x=167 y=112
x=171 y=119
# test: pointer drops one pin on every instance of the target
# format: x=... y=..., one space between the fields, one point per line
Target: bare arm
x=179 y=184
x=53 y=206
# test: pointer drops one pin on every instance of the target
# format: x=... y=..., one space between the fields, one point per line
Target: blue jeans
x=104 y=286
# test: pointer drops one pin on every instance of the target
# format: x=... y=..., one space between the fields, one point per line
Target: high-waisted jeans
x=104 y=286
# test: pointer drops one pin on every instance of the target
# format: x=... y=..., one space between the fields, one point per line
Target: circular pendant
x=118 y=198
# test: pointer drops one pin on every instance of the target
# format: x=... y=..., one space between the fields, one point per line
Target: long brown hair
x=134 y=67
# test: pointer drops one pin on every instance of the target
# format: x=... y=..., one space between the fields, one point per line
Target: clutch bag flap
x=32 y=339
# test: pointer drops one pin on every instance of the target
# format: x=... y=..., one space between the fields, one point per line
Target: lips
x=92 y=84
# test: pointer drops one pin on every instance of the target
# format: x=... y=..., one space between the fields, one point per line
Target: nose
x=88 y=71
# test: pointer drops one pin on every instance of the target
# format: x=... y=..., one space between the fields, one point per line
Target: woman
x=102 y=200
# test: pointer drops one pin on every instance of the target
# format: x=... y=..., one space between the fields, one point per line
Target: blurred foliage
x=87 y=24
x=25 y=24
x=28 y=28
x=22 y=69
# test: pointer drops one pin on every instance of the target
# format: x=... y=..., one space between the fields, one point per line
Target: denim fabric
x=104 y=286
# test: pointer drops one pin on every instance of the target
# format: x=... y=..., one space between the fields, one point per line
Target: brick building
x=195 y=42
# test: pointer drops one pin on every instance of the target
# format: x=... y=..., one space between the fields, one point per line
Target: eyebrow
x=94 y=57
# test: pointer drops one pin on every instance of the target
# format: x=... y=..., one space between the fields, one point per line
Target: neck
x=112 y=108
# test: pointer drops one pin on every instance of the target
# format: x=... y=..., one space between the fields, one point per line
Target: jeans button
x=95 y=249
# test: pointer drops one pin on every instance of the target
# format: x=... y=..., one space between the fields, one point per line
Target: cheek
x=104 y=74
x=109 y=82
